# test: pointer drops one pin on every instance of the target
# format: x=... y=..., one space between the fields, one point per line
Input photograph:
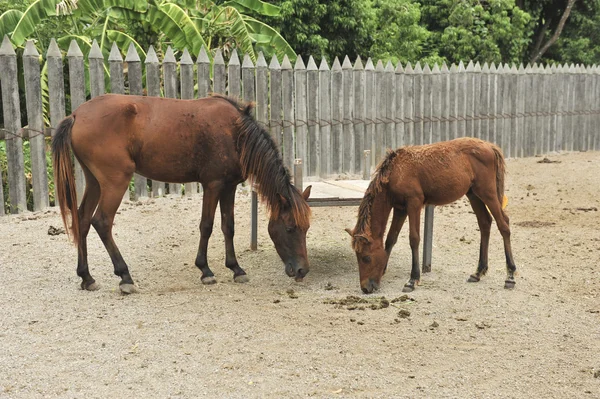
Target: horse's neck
x=380 y=213
x=267 y=170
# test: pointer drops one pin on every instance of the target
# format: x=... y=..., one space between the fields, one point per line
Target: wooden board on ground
x=337 y=192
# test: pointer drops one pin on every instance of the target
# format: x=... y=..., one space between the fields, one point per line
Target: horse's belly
x=186 y=167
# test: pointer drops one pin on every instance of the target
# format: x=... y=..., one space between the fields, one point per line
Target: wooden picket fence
x=325 y=116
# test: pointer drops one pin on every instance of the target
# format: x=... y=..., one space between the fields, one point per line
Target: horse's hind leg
x=111 y=194
x=89 y=202
x=484 y=220
x=209 y=206
x=227 y=203
x=414 y=235
x=502 y=222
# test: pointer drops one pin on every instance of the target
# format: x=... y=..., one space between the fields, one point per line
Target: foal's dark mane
x=382 y=174
x=261 y=161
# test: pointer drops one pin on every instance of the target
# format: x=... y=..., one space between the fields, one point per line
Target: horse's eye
x=366 y=259
x=290 y=229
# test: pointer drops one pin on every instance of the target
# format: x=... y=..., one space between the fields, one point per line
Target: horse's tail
x=500 y=173
x=64 y=177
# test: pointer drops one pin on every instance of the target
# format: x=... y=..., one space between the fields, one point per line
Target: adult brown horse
x=214 y=141
x=436 y=174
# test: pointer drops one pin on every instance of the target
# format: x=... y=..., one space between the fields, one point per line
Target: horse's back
x=166 y=139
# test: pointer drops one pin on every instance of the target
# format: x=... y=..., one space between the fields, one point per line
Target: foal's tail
x=500 y=172
x=64 y=176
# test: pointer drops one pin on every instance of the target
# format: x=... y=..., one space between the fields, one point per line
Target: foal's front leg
x=209 y=206
x=392 y=236
x=227 y=226
x=414 y=223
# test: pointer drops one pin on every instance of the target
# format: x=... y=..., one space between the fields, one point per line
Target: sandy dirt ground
x=276 y=338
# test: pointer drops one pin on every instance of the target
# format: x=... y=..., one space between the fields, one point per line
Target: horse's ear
x=349 y=231
x=306 y=193
x=284 y=201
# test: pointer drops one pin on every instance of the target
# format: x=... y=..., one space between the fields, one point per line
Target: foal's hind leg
x=484 y=220
x=414 y=223
x=89 y=202
x=227 y=203
x=502 y=222
x=111 y=195
x=209 y=206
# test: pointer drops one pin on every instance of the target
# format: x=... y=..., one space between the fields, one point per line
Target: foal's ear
x=349 y=231
x=363 y=239
x=306 y=193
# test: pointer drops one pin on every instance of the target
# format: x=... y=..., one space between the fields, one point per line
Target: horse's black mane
x=261 y=161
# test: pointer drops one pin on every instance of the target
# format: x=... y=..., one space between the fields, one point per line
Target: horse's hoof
x=127 y=288
x=90 y=287
x=509 y=284
x=408 y=288
x=473 y=279
x=242 y=278
x=209 y=280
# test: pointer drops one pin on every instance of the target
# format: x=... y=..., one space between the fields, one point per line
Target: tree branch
x=541 y=35
x=556 y=34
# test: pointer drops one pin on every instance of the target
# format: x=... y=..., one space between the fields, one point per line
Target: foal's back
x=443 y=172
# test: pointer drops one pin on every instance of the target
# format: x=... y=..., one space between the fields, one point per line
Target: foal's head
x=290 y=221
x=372 y=260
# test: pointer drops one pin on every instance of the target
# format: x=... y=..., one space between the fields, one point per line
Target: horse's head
x=289 y=233
x=372 y=260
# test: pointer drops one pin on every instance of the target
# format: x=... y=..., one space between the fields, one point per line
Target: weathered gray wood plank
x=134 y=78
x=12 y=123
x=37 y=145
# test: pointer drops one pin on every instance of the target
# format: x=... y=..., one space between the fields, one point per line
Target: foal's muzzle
x=369 y=286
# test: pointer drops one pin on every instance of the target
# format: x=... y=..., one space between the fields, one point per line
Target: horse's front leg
x=209 y=206
x=227 y=202
x=414 y=223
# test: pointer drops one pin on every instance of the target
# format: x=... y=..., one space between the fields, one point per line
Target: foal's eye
x=290 y=229
x=366 y=259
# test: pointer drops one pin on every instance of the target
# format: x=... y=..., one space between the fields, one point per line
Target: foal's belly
x=446 y=190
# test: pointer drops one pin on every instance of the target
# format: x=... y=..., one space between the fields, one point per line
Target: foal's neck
x=380 y=213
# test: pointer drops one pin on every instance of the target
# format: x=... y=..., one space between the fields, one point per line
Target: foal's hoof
x=509 y=284
x=242 y=278
x=209 y=280
x=473 y=278
x=127 y=288
x=90 y=287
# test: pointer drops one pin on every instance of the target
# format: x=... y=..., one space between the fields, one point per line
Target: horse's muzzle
x=294 y=270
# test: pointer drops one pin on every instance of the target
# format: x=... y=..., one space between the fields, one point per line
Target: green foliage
x=326 y=28
x=178 y=23
x=496 y=30
x=407 y=30
x=397 y=33
x=580 y=40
